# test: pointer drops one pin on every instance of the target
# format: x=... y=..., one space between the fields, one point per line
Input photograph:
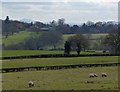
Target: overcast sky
x=73 y=11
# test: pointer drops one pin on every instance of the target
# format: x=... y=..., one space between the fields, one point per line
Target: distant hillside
x=14 y=26
x=17 y=37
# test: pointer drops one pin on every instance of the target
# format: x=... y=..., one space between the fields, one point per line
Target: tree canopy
x=113 y=41
x=78 y=42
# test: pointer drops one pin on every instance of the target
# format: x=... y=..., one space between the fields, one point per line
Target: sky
x=73 y=11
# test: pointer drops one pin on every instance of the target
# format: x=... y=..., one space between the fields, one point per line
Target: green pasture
x=95 y=36
x=12 y=53
x=38 y=62
x=66 y=36
x=92 y=36
x=17 y=37
x=68 y=79
x=96 y=44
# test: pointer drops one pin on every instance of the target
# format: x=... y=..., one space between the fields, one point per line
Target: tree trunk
x=78 y=52
x=116 y=49
x=6 y=36
x=54 y=46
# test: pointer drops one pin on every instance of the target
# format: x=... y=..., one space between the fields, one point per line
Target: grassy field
x=92 y=36
x=69 y=79
x=21 y=36
x=17 y=37
x=37 y=62
x=11 y=53
x=95 y=36
x=66 y=36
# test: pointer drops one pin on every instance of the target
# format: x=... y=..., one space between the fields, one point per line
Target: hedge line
x=55 y=55
x=6 y=70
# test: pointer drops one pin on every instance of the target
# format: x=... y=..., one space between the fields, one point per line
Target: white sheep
x=91 y=75
x=95 y=75
x=30 y=83
x=104 y=75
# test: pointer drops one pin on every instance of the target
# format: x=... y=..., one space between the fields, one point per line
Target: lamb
x=30 y=83
x=104 y=75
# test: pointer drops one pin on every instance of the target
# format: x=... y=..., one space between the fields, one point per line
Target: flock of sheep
x=94 y=75
x=90 y=75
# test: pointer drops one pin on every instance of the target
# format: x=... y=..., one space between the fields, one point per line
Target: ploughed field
x=38 y=62
x=64 y=79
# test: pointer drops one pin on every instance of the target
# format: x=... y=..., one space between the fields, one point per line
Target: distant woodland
x=14 y=26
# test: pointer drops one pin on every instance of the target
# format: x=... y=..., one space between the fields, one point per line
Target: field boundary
x=6 y=70
x=54 y=56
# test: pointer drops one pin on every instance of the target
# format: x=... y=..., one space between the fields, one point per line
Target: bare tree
x=51 y=38
x=78 y=42
x=113 y=40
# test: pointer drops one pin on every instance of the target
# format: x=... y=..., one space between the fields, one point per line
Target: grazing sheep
x=30 y=83
x=95 y=75
x=104 y=75
x=91 y=75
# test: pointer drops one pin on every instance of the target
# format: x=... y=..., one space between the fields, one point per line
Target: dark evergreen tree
x=67 y=48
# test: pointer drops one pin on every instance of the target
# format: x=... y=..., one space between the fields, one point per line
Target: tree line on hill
x=10 y=27
x=46 y=39
x=76 y=43
x=52 y=35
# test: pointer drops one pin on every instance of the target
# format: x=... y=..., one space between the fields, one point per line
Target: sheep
x=91 y=75
x=30 y=83
x=95 y=75
x=104 y=75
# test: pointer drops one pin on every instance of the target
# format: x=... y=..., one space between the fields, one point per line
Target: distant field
x=92 y=36
x=66 y=36
x=69 y=79
x=11 y=53
x=38 y=62
x=95 y=36
x=94 y=44
x=17 y=37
